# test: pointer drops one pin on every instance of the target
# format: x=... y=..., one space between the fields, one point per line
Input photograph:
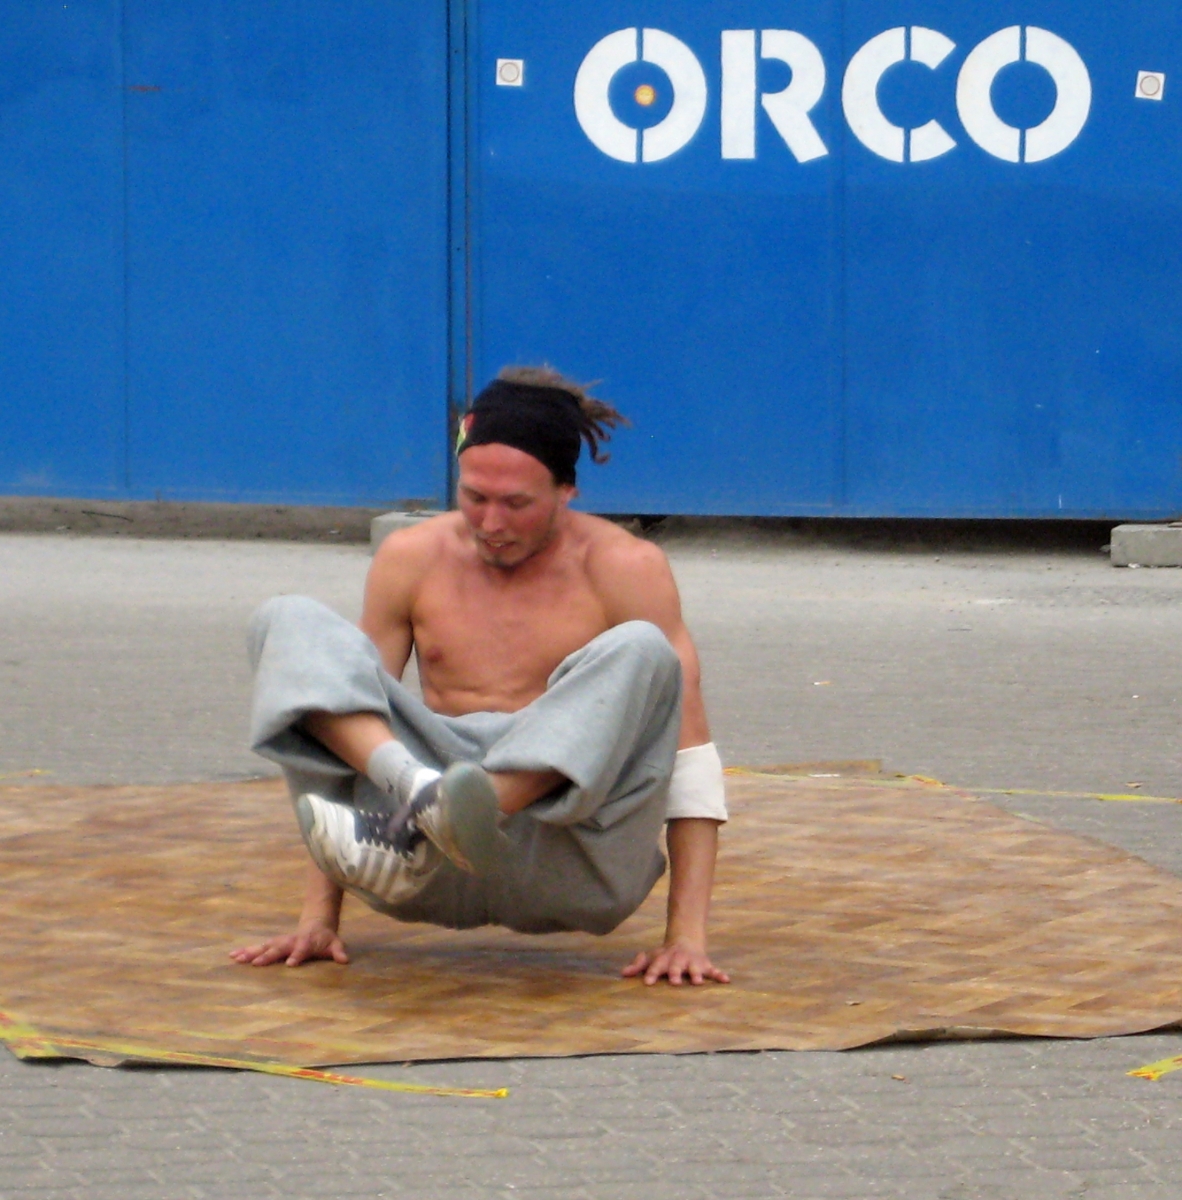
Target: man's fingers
x=254 y=956
x=301 y=951
x=247 y=953
x=293 y=951
x=266 y=957
x=676 y=965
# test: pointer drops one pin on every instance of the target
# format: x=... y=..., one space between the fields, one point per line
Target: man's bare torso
x=487 y=638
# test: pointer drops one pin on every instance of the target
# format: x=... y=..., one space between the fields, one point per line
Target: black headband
x=545 y=422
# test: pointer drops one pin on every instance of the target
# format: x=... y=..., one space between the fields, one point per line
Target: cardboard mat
x=848 y=911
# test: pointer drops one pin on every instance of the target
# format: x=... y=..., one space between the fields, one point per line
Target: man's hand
x=315 y=935
x=305 y=945
x=677 y=961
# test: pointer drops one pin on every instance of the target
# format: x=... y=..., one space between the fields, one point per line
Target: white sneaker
x=354 y=849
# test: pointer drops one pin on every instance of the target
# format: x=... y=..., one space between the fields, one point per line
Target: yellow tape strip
x=1117 y=796
x=38 y=1045
x=1154 y=1071
x=927 y=781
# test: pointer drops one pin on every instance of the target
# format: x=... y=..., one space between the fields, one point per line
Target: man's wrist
x=696 y=787
x=694 y=937
x=318 y=916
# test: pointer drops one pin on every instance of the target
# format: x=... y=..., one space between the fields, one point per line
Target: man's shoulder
x=613 y=545
x=421 y=541
x=406 y=555
x=618 y=562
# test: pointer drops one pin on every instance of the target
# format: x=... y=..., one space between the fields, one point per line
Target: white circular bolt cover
x=510 y=72
x=1151 y=85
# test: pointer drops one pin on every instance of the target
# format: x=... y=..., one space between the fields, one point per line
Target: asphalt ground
x=1038 y=669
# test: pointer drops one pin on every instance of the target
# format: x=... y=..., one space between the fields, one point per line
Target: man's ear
x=566 y=493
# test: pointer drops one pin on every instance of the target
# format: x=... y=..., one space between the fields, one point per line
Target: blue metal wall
x=224 y=229
x=251 y=252
x=61 y=250
x=951 y=335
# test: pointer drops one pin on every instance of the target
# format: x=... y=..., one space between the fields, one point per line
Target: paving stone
x=840 y=1186
x=680 y=1186
x=52 y=1192
x=402 y=1193
x=158 y=1190
x=1067 y=1155
x=1133 y=1191
x=65 y=1157
x=31 y=1183
x=1158 y=1146
x=538 y=1132
x=1020 y=1179
x=68 y=1124
x=15 y=1146
x=1021 y=1122
x=214 y=1172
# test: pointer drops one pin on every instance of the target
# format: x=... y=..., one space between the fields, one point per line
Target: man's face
x=510 y=501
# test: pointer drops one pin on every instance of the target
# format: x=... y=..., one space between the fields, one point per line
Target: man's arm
x=389 y=591
x=693 y=846
x=394 y=575
x=643 y=589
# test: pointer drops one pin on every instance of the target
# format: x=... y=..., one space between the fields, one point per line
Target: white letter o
x=593 y=104
x=1073 y=98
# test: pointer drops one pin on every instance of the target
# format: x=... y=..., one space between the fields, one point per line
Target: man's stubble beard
x=488 y=557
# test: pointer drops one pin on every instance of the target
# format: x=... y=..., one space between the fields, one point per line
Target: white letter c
x=859 y=95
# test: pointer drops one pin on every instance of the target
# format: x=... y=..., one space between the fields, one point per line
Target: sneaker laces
x=385 y=831
x=402 y=829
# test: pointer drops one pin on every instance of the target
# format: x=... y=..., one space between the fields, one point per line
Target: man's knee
x=276 y=612
x=644 y=641
x=614 y=908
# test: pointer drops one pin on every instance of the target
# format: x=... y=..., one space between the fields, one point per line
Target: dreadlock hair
x=597 y=418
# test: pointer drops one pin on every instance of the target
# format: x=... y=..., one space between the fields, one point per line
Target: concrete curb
x=903 y=535
x=310 y=523
x=382 y=526
x=178 y=519
x=1147 y=545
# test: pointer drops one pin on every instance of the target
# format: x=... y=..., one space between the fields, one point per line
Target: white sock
x=397 y=772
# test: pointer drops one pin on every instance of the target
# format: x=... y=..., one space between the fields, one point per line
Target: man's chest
x=485 y=635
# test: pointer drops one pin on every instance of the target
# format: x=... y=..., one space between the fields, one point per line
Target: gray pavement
x=1047 y=671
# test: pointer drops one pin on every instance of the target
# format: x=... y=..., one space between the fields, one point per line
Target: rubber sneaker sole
x=316 y=822
x=462 y=823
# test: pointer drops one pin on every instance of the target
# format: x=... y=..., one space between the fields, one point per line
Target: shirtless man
x=563 y=721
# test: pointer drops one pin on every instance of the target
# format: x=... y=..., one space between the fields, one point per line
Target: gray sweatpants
x=608 y=721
